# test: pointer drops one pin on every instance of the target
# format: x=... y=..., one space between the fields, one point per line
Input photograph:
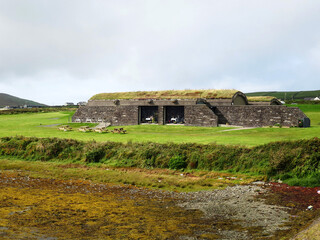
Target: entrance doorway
x=148 y=114
x=174 y=114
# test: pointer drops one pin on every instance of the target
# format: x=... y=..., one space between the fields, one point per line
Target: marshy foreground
x=39 y=208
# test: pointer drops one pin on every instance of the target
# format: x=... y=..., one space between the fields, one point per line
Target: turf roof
x=260 y=98
x=168 y=94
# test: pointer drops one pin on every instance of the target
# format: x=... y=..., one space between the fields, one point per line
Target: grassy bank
x=165 y=179
x=288 y=95
x=296 y=162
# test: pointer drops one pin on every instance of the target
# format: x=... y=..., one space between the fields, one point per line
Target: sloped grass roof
x=168 y=94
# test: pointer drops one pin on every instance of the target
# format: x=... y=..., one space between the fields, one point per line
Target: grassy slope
x=288 y=95
x=29 y=125
x=8 y=100
x=167 y=179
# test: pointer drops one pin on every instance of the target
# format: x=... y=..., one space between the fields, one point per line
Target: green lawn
x=38 y=125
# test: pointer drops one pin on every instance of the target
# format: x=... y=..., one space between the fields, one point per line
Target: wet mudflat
x=32 y=208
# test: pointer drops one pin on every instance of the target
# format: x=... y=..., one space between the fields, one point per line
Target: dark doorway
x=149 y=114
x=174 y=114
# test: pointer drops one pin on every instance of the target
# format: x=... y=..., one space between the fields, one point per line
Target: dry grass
x=168 y=94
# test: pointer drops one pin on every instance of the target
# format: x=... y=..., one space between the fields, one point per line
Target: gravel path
x=52 y=125
x=236 y=129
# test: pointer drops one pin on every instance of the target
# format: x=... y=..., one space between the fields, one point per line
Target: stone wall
x=200 y=115
x=197 y=115
x=161 y=115
x=116 y=115
x=258 y=116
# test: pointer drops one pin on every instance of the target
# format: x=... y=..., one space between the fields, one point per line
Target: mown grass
x=41 y=125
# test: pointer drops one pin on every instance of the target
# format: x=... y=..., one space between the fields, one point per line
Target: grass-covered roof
x=168 y=94
x=260 y=98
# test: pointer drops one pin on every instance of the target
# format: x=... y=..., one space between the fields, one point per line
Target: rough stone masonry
x=190 y=112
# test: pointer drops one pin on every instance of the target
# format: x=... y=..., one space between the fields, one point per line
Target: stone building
x=208 y=108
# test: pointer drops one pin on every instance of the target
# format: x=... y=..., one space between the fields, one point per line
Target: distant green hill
x=288 y=95
x=8 y=100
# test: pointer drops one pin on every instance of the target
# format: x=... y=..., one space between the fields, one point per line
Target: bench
x=84 y=129
x=101 y=130
x=65 y=128
x=119 y=130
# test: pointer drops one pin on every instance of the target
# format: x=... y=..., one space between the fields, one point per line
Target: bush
x=177 y=162
x=149 y=162
x=194 y=160
x=95 y=155
x=309 y=181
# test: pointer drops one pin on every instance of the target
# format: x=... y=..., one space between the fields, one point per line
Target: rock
x=310 y=208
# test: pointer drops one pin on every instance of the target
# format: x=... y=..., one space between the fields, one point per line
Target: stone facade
x=258 y=116
x=127 y=112
x=200 y=115
x=116 y=115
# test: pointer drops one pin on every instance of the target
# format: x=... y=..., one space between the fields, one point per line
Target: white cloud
x=101 y=46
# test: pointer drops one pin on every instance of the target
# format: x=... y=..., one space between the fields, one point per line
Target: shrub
x=95 y=155
x=177 y=162
x=194 y=158
x=149 y=162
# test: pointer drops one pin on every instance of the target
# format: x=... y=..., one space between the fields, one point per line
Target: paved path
x=52 y=125
x=235 y=129
x=100 y=125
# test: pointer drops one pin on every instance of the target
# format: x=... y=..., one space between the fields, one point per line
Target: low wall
x=258 y=116
x=116 y=115
x=200 y=115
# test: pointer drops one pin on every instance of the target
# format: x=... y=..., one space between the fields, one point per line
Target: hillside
x=287 y=95
x=12 y=101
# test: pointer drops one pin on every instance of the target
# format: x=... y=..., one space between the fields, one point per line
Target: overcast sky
x=54 y=51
